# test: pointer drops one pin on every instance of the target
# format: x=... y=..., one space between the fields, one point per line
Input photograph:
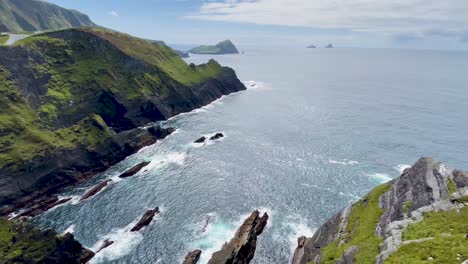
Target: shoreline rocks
x=192 y=257
x=217 y=136
x=145 y=219
x=241 y=248
x=200 y=140
x=134 y=170
x=106 y=243
x=42 y=206
x=95 y=190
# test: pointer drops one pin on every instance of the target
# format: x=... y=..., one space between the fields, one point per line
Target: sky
x=414 y=24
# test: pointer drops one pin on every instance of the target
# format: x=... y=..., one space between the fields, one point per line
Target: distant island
x=224 y=47
x=311 y=47
x=329 y=46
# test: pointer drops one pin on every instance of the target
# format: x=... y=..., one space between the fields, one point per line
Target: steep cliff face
x=417 y=218
x=33 y=15
x=72 y=101
x=21 y=243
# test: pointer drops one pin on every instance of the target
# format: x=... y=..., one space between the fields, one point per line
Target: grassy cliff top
x=224 y=47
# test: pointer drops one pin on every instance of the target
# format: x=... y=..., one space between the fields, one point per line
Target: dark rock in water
x=44 y=205
x=241 y=248
x=134 y=170
x=329 y=46
x=95 y=190
x=106 y=243
x=217 y=136
x=145 y=219
x=192 y=257
x=200 y=140
x=311 y=47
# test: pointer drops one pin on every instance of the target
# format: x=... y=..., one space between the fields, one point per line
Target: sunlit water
x=319 y=130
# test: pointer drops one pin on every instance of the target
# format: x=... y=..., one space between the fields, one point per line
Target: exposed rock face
x=95 y=190
x=145 y=219
x=43 y=205
x=217 y=136
x=134 y=170
x=241 y=248
x=200 y=140
x=421 y=188
x=192 y=257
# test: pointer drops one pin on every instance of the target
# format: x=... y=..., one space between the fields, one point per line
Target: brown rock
x=192 y=257
x=43 y=205
x=241 y=248
x=95 y=190
x=145 y=219
x=134 y=170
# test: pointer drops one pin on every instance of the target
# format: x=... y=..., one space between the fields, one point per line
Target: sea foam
x=381 y=177
x=402 y=167
x=344 y=162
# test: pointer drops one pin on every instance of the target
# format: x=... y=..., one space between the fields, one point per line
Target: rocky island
x=224 y=47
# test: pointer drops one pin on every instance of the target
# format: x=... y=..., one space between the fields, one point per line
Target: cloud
x=387 y=16
x=113 y=13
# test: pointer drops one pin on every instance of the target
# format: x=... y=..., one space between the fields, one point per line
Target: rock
x=95 y=190
x=217 y=136
x=192 y=257
x=145 y=219
x=44 y=205
x=200 y=140
x=301 y=241
x=329 y=46
x=311 y=47
x=241 y=248
x=134 y=170
x=106 y=243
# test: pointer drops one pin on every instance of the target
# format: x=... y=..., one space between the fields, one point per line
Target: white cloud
x=388 y=16
x=113 y=13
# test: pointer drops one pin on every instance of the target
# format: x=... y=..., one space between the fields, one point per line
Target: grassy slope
x=3 y=39
x=360 y=230
x=78 y=72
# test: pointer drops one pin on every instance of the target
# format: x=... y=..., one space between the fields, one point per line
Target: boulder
x=192 y=257
x=200 y=140
x=145 y=219
x=134 y=170
x=95 y=190
x=217 y=136
x=241 y=248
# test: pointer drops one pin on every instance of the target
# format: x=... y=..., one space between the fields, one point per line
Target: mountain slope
x=35 y=15
x=224 y=47
x=419 y=217
x=72 y=101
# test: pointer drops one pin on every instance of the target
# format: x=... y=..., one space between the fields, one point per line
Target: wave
x=124 y=242
x=344 y=162
x=170 y=158
x=70 y=229
x=292 y=228
x=254 y=85
x=381 y=177
x=402 y=167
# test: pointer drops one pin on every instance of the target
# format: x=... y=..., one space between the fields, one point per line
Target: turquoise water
x=317 y=131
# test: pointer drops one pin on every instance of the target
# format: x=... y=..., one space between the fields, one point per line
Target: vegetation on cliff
x=224 y=47
x=32 y=15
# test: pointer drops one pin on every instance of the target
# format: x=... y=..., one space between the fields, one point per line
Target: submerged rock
x=95 y=190
x=192 y=257
x=134 y=170
x=217 y=136
x=106 y=243
x=200 y=140
x=145 y=219
x=241 y=248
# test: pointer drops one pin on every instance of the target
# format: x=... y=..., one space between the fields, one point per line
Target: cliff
x=21 y=243
x=32 y=15
x=72 y=101
x=419 y=217
x=224 y=47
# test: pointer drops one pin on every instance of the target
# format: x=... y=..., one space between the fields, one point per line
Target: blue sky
x=425 y=24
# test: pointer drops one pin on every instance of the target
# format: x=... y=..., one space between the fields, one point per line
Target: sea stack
x=145 y=219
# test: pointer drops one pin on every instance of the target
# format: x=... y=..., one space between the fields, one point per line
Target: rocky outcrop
x=43 y=205
x=217 y=136
x=200 y=140
x=105 y=244
x=329 y=46
x=134 y=170
x=241 y=248
x=145 y=219
x=192 y=257
x=93 y=191
x=428 y=186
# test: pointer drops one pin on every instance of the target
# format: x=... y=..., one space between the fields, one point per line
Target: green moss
x=4 y=39
x=360 y=230
x=407 y=206
x=463 y=199
x=452 y=186
x=447 y=230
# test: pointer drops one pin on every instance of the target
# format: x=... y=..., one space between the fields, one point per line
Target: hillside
x=34 y=15
x=72 y=101
x=224 y=47
x=419 y=217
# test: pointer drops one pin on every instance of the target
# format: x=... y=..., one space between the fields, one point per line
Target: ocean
x=316 y=130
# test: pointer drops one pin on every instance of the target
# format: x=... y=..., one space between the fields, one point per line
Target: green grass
x=448 y=230
x=4 y=39
x=452 y=186
x=360 y=230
